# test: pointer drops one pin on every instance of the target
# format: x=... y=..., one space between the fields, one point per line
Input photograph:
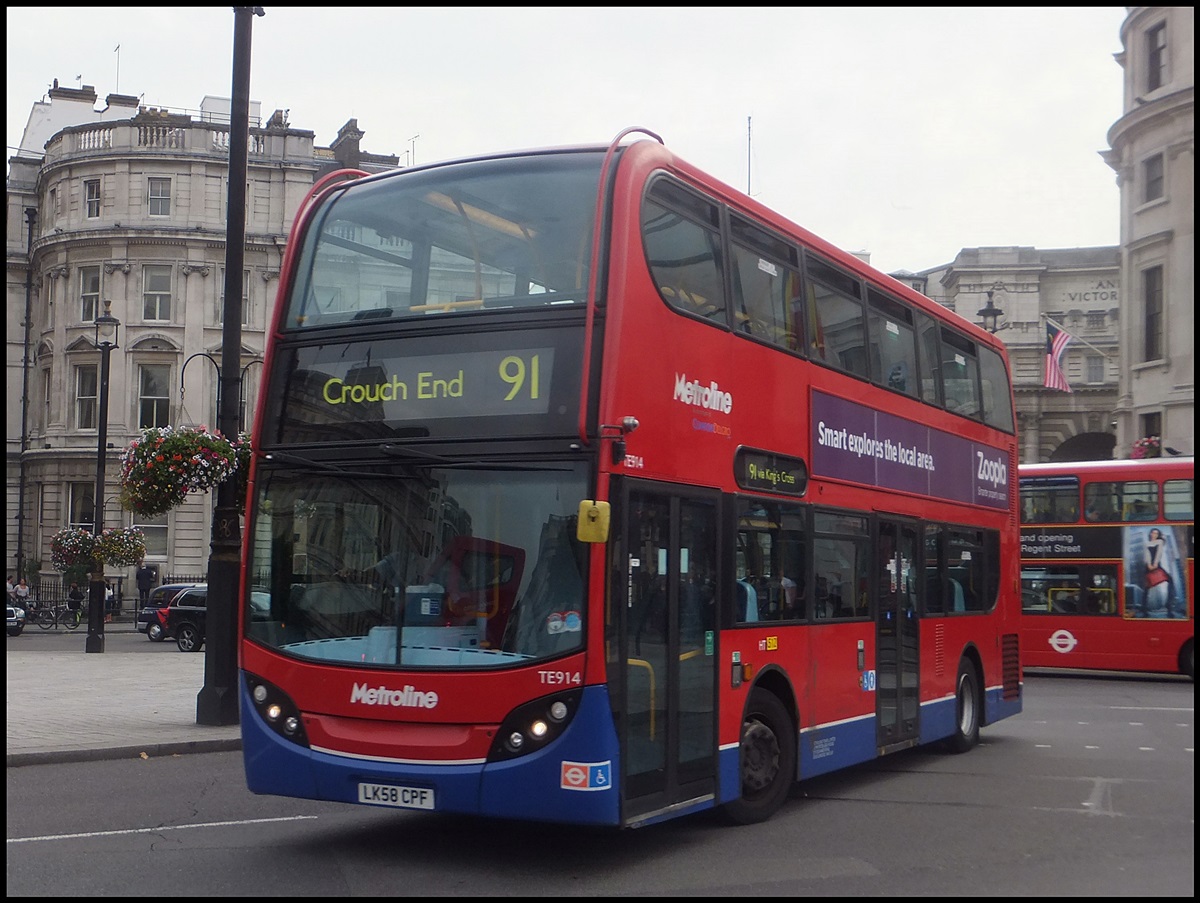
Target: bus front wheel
x=767 y=760
x=966 y=710
x=1187 y=659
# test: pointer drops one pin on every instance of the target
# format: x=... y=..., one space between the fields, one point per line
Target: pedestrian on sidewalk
x=145 y=582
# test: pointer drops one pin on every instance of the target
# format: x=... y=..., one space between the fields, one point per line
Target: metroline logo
x=710 y=397
x=409 y=697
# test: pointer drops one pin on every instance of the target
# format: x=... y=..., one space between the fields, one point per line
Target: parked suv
x=184 y=618
x=152 y=615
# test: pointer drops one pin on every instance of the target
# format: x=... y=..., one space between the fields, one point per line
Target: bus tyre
x=187 y=638
x=1187 y=659
x=966 y=710
x=767 y=760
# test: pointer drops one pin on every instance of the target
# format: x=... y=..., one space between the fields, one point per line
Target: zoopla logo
x=1063 y=641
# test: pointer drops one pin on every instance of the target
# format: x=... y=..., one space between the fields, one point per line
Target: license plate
x=396 y=796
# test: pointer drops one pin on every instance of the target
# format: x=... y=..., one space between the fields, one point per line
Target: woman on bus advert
x=1161 y=595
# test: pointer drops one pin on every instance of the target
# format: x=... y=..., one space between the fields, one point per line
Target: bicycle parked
x=54 y=617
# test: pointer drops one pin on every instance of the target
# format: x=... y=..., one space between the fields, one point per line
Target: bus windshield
x=419 y=567
x=483 y=234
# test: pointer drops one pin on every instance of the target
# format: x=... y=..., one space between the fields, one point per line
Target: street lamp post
x=107 y=327
x=989 y=314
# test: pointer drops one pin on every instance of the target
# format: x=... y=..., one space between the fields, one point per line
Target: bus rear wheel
x=767 y=760
x=966 y=710
x=1187 y=659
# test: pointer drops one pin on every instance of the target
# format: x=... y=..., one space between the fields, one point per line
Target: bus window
x=965 y=568
x=683 y=248
x=837 y=336
x=1050 y=500
x=1101 y=503
x=840 y=566
x=893 y=343
x=997 y=402
x=765 y=280
x=770 y=568
x=1179 y=499
x=1066 y=590
x=960 y=375
x=1140 y=500
x=931 y=358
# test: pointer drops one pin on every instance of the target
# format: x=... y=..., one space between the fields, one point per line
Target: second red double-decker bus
x=1108 y=565
x=586 y=489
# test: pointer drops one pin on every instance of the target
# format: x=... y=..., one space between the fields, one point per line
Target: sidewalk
x=80 y=707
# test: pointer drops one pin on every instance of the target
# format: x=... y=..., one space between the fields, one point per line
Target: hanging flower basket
x=1147 y=447
x=70 y=547
x=122 y=546
x=77 y=547
x=164 y=465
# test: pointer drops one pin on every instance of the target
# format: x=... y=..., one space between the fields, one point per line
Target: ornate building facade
x=1078 y=288
x=1153 y=152
x=123 y=210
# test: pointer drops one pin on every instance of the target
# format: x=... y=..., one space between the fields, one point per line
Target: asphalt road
x=1090 y=791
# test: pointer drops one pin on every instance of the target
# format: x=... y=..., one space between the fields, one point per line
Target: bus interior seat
x=956 y=591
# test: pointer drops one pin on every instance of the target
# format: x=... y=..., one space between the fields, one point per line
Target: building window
x=1152 y=175
x=245 y=298
x=82 y=503
x=1156 y=56
x=1095 y=319
x=154 y=395
x=156 y=292
x=1151 y=424
x=89 y=293
x=49 y=293
x=91 y=196
x=86 y=397
x=1095 y=368
x=1152 y=293
x=155 y=530
x=159 y=197
x=51 y=207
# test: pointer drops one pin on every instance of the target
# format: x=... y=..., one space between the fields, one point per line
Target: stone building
x=123 y=209
x=1130 y=309
x=1153 y=152
x=1077 y=288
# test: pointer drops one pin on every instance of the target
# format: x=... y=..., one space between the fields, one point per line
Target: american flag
x=1056 y=344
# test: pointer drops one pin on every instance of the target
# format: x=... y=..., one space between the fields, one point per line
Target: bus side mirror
x=592 y=524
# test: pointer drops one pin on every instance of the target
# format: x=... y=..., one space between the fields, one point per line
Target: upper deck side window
x=767 y=300
x=1050 y=500
x=682 y=237
x=837 y=333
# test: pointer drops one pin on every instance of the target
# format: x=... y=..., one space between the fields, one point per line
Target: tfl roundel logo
x=586 y=776
x=1063 y=641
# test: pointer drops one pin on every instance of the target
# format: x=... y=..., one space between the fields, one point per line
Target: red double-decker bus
x=1107 y=565
x=587 y=489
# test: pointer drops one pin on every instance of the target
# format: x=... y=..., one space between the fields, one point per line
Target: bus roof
x=1116 y=465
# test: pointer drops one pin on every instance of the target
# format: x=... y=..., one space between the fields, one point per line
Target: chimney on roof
x=346 y=148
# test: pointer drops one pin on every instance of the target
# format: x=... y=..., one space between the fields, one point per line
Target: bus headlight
x=534 y=725
x=277 y=710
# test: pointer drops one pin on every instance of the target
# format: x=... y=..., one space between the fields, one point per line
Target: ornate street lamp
x=107 y=327
x=989 y=314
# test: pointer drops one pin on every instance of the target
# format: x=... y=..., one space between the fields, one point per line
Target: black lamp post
x=989 y=314
x=107 y=327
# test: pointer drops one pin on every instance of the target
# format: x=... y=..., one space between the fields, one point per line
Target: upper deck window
x=506 y=233
x=682 y=237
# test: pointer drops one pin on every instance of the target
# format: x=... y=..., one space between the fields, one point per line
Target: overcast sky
x=909 y=133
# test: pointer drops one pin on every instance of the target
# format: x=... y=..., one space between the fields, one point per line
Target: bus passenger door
x=667 y=579
x=897 y=641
